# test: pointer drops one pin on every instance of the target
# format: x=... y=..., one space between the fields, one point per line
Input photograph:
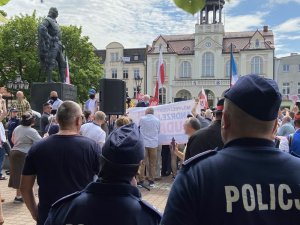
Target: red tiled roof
x=185 y=43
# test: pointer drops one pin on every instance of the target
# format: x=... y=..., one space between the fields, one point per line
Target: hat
x=124 y=146
x=92 y=92
x=220 y=105
x=257 y=96
x=14 y=110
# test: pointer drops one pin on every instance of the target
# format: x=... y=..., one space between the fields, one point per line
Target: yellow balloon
x=3 y=2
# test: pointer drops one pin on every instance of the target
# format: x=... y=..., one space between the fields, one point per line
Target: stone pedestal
x=40 y=93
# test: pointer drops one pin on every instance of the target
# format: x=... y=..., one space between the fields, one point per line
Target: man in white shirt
x=149 y=127
x=92 y=103
x=93 y=130
x=54 y=101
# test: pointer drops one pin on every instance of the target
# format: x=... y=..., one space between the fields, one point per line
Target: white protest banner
x=172 y=117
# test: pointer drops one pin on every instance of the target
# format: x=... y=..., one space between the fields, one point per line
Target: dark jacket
x=44 y=122
x=204 y=122
x=205 y=139
x=12 y=124
x=142 y=104
x=249 y=182
x=105 y=204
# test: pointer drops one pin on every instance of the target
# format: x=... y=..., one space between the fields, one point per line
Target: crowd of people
x=239 y=166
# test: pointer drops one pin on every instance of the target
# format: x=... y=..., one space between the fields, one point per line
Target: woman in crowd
x=123 y=120
x=23 y=138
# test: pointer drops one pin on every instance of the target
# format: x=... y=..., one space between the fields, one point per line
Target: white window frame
x=114 y=73
x=185 y=69
x=257 y=43
x=286 y=68
x=286 y=88
x=136 y=73
x=125 y=72
x=208 y=64
x=227 y=69
x=114 y=56
x=135 y=92
x=162 y=95
x=257 y=65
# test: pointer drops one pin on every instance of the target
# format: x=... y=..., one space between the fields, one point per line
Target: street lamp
x=138 y=82
x=17 y=84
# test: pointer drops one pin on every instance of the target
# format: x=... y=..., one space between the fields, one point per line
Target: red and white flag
x=203 y=100
x=160 y=75
x=67 y=75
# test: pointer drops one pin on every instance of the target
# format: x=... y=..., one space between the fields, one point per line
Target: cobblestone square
x=18 y=214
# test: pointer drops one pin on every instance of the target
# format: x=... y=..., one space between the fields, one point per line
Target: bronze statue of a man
x=50 y=46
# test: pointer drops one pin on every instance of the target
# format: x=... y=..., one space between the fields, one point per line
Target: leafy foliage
x=19 y=54
x=3 y=2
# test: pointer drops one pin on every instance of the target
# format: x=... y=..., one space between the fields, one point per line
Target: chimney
x=266 y=28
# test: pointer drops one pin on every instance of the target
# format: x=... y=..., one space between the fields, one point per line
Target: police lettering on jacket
x=251 y=197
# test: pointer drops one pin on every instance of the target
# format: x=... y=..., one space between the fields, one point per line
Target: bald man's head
x=20 y=95
x=68 y=114
x=53 y=94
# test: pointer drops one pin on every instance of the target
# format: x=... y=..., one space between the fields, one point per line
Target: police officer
x=114 y=198
x=249 y=181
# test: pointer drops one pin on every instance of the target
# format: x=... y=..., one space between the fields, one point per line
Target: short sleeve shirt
x=94 y=132
x=63 y=165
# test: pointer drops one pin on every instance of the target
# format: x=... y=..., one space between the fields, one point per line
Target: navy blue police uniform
x=107 y=204
x=111 y=200
x=248 y=182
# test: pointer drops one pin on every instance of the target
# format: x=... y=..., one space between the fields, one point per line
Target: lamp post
x=138 y=82
x=17 y=84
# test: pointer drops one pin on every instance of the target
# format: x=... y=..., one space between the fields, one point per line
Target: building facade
x=202 y=59
x=128 y=65
x=288 y=77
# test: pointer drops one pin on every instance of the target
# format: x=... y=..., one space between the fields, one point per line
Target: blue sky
x=136 y=23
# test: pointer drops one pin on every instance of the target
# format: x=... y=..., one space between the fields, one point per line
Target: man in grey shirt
x=286 y=128
x=149 y=127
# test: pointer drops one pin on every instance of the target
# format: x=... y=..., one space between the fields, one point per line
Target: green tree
x=19 y=54
x=85 y=68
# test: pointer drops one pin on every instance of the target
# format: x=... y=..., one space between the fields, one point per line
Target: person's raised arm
x=194 y=109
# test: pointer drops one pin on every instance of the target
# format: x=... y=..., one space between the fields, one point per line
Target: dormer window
x=257 y=43
x=136 y=58
x=186 y=48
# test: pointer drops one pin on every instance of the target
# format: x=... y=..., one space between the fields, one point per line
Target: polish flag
x=203 y=100
x=67 y=75
x=160 y=75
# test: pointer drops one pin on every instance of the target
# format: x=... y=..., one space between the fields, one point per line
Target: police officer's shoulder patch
x=66 y=198
x=197 y=158
x=151 y=208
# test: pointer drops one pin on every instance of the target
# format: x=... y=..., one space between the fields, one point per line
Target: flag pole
x=231 y=63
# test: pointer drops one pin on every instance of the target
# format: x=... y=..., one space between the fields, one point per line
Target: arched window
x=185 y=69
x=210 y=97
x=184 y=94
x=186 y=48
x=257 y=65
x=162 y=95
x=227 y=69
x=208 y=64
